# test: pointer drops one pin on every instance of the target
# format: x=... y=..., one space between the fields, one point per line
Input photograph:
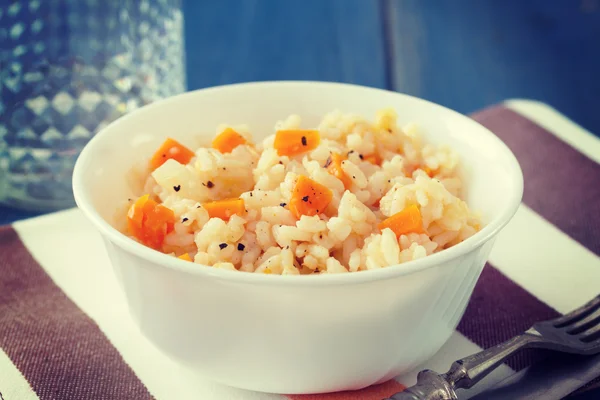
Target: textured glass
x=67 y=69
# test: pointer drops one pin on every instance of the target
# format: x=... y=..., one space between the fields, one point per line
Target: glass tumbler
x=67 y=69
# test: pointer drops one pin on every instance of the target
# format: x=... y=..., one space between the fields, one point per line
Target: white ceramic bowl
x=294 y=334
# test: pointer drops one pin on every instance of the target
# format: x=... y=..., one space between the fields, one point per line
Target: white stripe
x=458 y=346
x=559 y=125
x=12 y=384
x=71 y=252
x=545 y=261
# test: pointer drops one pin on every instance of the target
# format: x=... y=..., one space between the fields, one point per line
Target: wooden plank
x=231 y=41
x=468 y=54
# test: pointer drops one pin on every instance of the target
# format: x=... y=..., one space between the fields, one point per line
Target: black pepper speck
x=282 y=204
x=304 y=143
x=241 y=247
x=184 y=219
x=361 y=156
x=305 y=198
x=222 y=246
x=177 y=188
x=210 y=184
x=250 y=194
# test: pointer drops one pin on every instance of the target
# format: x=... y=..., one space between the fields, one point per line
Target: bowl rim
x=84 y=203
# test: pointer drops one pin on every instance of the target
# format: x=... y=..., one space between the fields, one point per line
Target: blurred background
x=69 y=67
x=464 y=54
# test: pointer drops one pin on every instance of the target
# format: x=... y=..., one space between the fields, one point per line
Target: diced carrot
x=185 y=257
x=171 y=149
x=224 y=209
x=429 y=171
x=406 y=221
x=228 y=140
x=309 y=197
x=334 y=166
x=293 y=142
x=373 y=158
x=149 y=221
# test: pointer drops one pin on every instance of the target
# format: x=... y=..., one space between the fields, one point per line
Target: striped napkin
x=65 y=332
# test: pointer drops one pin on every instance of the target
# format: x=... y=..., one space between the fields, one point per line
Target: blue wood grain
x=470 y=54
x=231 y=41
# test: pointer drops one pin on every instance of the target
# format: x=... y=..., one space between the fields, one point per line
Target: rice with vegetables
x=349 y=195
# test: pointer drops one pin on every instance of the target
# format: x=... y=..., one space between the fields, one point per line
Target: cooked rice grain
x=344 y=237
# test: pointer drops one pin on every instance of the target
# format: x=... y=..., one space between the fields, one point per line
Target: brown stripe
x=500 y=309
x=561 y=184
x=59 y=350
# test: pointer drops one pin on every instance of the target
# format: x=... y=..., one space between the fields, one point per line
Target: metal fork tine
x=577 y=313
x=550 y=334
x=585 y=323
x=592 y=334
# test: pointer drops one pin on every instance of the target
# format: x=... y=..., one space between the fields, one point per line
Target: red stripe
x=376 y=392
x=59 y=350
x=561 y=184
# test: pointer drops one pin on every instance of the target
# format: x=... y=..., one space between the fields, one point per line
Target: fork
x=577 y=332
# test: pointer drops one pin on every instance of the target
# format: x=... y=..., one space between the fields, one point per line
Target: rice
x=385 y=171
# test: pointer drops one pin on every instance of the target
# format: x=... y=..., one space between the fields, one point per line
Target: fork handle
x=464 y=373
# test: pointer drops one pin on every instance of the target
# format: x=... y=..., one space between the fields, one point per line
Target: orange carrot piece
x=373 y=159
x=309 y=197
x=406 y=221
x=334 y=166
x=224 y=209
x=185 y=257
x=149 y=221
x=293 y=142
x=429 y=171
x=228 y=140
x=171 y=149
